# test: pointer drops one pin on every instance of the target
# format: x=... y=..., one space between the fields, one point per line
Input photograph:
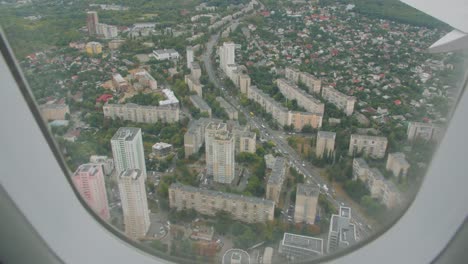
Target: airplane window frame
x=33 y=125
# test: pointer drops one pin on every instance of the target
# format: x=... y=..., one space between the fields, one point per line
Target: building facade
x=141 y=113
x=325 y=144
x=219 y=149
x=306 y=203
x=397 y=164
x=340 y=100
x=127 y=150
x=134 y=203
x=92 y=21
x=243 y=208
x=371 y=146
x=89 y=181
x=276 y=179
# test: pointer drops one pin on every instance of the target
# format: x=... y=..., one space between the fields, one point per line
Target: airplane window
x=240 y=131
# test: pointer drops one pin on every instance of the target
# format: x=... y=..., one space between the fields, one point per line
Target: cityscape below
x=240 y=131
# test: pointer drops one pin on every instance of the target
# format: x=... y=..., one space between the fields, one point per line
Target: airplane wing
x=451 y=12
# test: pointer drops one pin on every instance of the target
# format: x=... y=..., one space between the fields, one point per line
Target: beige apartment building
x=325 y=143
x=282 y=115
x=276 y=179
x=219 y=150
x=244 y=83
x=313 y=84
x=305 y=100
x=306 y=203
x=228 y=108
x=340 y=100
x=119 y=83
x=54 y=111
x=397 y=164
x=134 y=203
x=378 y=186
x=243 y=208
x=426 y=131
x=246 y=140
x=194 y=85
x=371 y=146
x=141 y=113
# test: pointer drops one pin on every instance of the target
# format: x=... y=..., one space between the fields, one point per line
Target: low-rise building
x=341 y=232
x=306 y=203
x=54 y=111
x=202 y=232
x=325 y=144
x=372 y=146
x=426 y=131
x=228 y=108
x=166 y=54
x=305 y=100
x=243 y=208
x=200 y=104
x=161 y=149
x=143 y=80
x=93 y=48
x=276 y=179
x=340 y=100
x=119 y=83
x=300 y=248
x=397 y=164
x=115 y=43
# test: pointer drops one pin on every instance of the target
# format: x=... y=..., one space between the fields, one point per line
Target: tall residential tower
x=127 y=149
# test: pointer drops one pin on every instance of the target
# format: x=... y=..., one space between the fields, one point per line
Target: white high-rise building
x=134 y=203
x=220 y=146
x=189 y=57
x=227 y=55
x=127 y=149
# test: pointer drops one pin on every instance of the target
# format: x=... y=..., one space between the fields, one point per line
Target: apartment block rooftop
x=311 y=244
x=126 y=133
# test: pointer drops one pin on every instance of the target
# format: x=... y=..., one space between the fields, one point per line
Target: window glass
x=241 y=130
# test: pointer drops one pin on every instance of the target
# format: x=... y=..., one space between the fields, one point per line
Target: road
x=310 y=172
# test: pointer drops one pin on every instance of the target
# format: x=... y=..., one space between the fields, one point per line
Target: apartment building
x=371 y=146
x=306 y=203
x=119 y=83
x=220 y=149
x=311 y=82
x=397 y=164
x=194 y=85
x=127 y=150
x=189 y=52
x=134 y=203
x=378 y=186
x=325 y=143
x=305 y=100
x=244 y=83
x=246 y=140
x=341 y=232
x=92 y=21
x=142 y=80
x=228 y=108
x=142 y=113
x=282 y=115
x=300 y=248
x=89 y=181
x=200 y=104
x=426 y=131
x=227 y=55
x=53 y=111
x=340 y=100
x=276 y=179
x=243 y=208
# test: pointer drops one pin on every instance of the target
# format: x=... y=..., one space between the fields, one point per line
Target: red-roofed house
x=397 y=102
x=104 y=98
